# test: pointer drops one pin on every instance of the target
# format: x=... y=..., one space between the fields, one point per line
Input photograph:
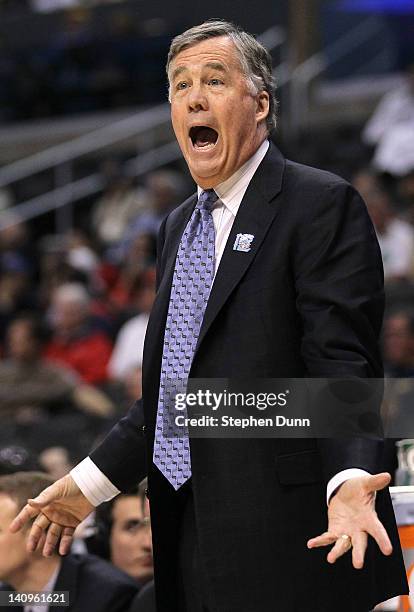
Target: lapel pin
x=243 y=242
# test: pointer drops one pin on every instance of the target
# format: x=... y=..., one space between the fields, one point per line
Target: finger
x=323 y=540
x=359 y=546
x=41 y=542
x=376 y=482
x=66 y=540
x=377 y=530
x=52 y=537
x=24 y=516
x=38 y=529
x=341 y=547
x=44 y=498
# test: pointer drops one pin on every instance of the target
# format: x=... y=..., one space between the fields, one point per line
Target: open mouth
x=203 y=137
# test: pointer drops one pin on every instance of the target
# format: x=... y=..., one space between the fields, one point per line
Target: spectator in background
x=399 y=345
x=405 y=188
x=396 y=108
x=123 y=534
x=14 y=237
x=54 y=268
x=391 y=131
x=26 y=380
x=17 y=268
x=133 y=385
x=119 y=205
x=29 y=383
x=80 y=255
x=129 y=344
x=395 y=236
x=55 y=460
x=165 y=190
x=16 y=291
x=75 y=342
x=93 y=584
x=138 y=259
x=14 y=458
x=395 y=153
x=366 y=180
x=141 y=254
x=397 y=407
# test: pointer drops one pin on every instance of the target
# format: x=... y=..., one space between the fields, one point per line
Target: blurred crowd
x=73 y=315
x=110 y=565
x=80 y=61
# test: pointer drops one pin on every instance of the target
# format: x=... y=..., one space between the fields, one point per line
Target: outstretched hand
x=58 y=510
x=352 y=518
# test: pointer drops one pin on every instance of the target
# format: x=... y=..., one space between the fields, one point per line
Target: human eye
x=214 y=82
x=181 y=85
x=133 y=526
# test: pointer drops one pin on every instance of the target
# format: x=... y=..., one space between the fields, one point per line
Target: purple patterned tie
x=191 y=285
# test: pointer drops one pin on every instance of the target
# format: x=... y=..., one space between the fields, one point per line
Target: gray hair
x=255 y=60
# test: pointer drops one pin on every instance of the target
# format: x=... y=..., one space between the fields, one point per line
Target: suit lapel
x=255 y=215
x=174 y=233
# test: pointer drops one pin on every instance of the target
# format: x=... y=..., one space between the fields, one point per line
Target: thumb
x=44 y=498
x=376 y=482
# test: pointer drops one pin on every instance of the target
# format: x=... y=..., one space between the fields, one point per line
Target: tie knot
x=207 y=200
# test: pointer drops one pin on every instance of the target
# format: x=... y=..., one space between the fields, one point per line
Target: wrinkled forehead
x=218 y=53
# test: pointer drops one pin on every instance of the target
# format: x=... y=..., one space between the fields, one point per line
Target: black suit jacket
x=94 y=585
x=307 y=299
x=144 y=601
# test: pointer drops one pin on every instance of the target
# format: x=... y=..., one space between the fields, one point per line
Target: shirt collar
x=232 y=190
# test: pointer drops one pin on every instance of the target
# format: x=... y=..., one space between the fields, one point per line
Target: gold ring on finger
x=346 y=538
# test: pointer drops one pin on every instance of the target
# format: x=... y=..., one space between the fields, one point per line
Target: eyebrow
x=177 y=72
x=214 y=65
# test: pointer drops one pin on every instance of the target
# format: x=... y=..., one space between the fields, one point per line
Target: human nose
x=197 y=100
x=147 y=540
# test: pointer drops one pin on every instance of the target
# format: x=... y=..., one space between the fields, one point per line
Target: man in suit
x=93 y=584
x=271 y=270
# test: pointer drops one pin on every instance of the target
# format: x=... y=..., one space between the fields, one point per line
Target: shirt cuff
x=340 y=478
x=93 y=483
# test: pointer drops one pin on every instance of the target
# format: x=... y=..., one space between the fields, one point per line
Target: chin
x=144 y=578
x=205 y=177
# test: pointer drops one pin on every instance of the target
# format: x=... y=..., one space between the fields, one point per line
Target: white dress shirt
x=92 y=482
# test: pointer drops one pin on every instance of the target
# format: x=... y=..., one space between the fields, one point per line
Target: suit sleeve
x=122 y=454
x=340 y=298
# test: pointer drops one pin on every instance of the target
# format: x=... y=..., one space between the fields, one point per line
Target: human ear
x=262 y=105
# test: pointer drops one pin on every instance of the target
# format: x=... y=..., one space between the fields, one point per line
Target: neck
x=227 y=183
x=35 y=575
